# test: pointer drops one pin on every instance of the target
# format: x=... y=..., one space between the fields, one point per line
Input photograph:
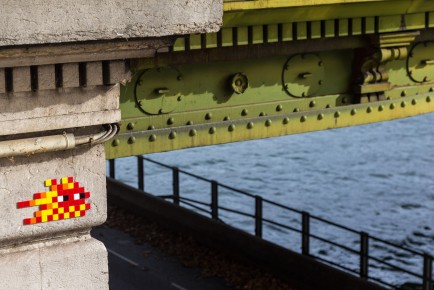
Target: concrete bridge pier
x=59 y=100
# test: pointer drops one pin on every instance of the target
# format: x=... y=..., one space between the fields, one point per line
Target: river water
x=377 y=178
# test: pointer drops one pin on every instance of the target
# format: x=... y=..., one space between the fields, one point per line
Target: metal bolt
x=250 y=125
x=116 y=142
x=212 y=130
x=172 y=135
x=261 y=114
x=320 y=82
x=268 y=123
x=431 y=90
x=381 y=108
x=425 y=79
x=428 y=99
x=403 y=104
x=140 y=103
x=151 y=127
x=312 y=104
x=193 y=132
x=231 y=128
x=208 y=116
x=170 y=121
x=392 y=106
x=189 y=123
x=320 y=116
x=179 y=98
x=130 y=126
x=303 y=118
x=244 y=112
x=131 y=140
x=285 y=120
x=279 y=108
x=328 y=106
x=353 y=112
x=303 y=94
x=227 y=118
x=296 y=110
x=369 y=109
x=152 y=138
x=320 y=63
x=179 y=78
x=337 y=114
x=403 y=93
x=413 y=102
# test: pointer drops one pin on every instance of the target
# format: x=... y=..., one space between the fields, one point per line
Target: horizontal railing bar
x=155 y=162
x=237 y=212
x=335 y=244
x=281 y=225
x=397 y=246
x=335 y=224
x=282 y=206
x=335 y=264
x=194 y=201
x=396 y=267
x=165 y=196
x=195 y=206
x=237 y=190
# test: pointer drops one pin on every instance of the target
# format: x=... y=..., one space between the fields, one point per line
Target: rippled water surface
x=377 y=178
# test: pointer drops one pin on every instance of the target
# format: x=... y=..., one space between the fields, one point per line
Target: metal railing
x=213 y=209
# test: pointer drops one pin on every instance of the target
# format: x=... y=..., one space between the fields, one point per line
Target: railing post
x=364 y=255
x=175 y=184
x=140 y=173
x=427 y=272
x=214 y=200
x=305 y=233
x=258 y=216
x=112 y=172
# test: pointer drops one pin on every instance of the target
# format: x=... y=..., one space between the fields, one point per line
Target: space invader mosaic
x=64 y=200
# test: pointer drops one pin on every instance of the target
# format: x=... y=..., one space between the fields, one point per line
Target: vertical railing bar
x=175 y=185
x=364 y=255
x=214 y=200
x=258 y=216
x=305 y=233
x=112 y=172
x=427 y=272
x=140 y=173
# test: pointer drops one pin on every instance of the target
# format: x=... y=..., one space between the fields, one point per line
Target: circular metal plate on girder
x=303 y=75
x=420 y=62
x=158 y=91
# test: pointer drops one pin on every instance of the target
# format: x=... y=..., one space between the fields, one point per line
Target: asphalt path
x=133 y=266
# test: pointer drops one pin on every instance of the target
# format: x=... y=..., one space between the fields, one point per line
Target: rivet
x=179 y=98
x=312 y=104
x=413 y=102
x=231 y=128
x=381 y=108
x=320 y=116
x=328 y=106
x=212 y=130
x=250 y=125
x=261 y=114
x=425 y=79
x=320 y=63
x=190 y=123
x=303 y=118
x=172 y=135
x=130 y=126
x=403 y=104
x=431 y=90
x=344 y=100
x=193 y=132
x=303 y=94
x=296 y=110
x=403 y=94
x=320 y=82
x=268 y=123
x=369 y=109
x=179 y=78
x=337 y=114
x=151 y=127
x=140 y=103
x=227 y=118
x=152 y=138
x=392 y=106
x=428 y=99
x=353 y=112
x=244 y=112
x=279 y=108
x=208 y=116
x=170 y=121
x=131 y=140
x=285 y=120
x=116 y=142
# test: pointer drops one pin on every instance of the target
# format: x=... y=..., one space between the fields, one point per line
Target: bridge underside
x=265 y=77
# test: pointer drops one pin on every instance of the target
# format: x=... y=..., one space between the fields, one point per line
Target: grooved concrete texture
x=70 y=263
x=21 y=177
x=41 y=21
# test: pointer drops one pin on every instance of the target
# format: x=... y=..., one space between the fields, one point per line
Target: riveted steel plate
x=420 y=62
x=303 y=75
x=157 y=91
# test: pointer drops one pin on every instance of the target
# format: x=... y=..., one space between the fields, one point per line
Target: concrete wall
x=41 y=21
